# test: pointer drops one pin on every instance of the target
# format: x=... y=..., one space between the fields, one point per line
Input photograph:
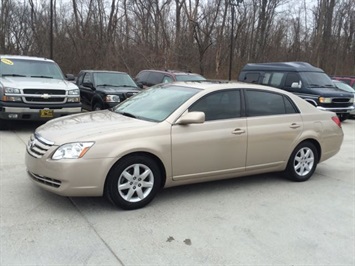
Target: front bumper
x=69 y=177
x=338 y=110
x=17 y=111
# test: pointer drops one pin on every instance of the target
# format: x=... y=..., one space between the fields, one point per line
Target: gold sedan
x=181 y=133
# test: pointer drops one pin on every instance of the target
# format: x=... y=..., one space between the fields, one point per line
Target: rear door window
x=251 y=77
x=262 y=103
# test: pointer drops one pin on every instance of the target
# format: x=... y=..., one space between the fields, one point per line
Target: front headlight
x=74 y=92
x=10 y=95
x=352 y=100
x=325 y=100
x=112 y=99
x=12 y=90
x=72 y=150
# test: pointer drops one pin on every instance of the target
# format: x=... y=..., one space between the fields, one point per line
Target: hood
x=88 y=126
x=116 y=90
x=38 y=83
x=332 y=92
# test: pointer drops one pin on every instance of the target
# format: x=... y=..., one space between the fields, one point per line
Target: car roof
x=102 y=71
x=168 y=71
x=25 y=57
x=217 y=85
x=282 y=66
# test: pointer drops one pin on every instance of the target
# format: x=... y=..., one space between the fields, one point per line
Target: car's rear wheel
x=303 y=162
x=133 y=182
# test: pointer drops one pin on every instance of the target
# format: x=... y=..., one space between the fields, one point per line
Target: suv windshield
x=30 y=68
x=114 y=79
x=155 y=104
x=317 y=80
x=193 y=77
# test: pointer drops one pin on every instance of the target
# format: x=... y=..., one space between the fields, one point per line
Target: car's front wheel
x=303 y=162
x=97 y=107
x=133 y=182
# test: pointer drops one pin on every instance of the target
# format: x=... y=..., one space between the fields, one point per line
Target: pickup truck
x=102 y=89
x=34 y=88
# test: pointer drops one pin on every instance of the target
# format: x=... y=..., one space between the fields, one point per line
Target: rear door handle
x=238 y=131
x=295 y=125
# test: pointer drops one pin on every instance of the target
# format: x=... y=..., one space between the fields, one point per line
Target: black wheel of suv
x=343 y=117
x=3 y=124
x=97 y=106
x=133 y=182
x=303 y=162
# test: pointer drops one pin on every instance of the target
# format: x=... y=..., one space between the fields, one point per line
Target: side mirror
x=88 y=84
x=70 y=77
x=139 y=84
x=296 y=85
x=191 y=118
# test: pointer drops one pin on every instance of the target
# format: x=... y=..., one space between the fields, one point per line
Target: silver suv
x=33 y=88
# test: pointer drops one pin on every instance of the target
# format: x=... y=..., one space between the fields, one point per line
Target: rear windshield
x=30 y=68
x=193 y=77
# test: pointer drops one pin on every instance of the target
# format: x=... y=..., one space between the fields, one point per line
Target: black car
x=148 y=78
x=100 y=89
x=303 y=79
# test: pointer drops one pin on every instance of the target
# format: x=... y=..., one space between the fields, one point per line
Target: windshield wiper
x=127 y=114
x=44 y=77
x=110 y=85
x=12 y=75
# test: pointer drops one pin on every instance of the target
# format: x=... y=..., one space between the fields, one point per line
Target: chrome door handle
x=295 y=125
x=238 y=131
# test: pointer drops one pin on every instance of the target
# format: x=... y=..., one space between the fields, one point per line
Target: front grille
x=38 y=146
x=341 y=100
x=46 y=180
x=44 y=96
x=42 y=91
x=37 y=100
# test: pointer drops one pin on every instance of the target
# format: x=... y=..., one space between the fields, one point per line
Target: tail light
x=336 y=120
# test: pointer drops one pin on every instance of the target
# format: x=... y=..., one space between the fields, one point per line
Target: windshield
x=114 y=79
x=30 y=68
x=317 y=80
x=193 y=77
x=343 y=86
x=157 y=103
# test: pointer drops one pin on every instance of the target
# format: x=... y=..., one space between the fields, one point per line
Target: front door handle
x=238 y=131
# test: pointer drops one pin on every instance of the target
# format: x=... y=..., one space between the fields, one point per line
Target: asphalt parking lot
x=257 y=220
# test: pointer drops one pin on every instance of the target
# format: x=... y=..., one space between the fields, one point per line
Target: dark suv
x=148 y=78
x=101 y=89
x=303 y=79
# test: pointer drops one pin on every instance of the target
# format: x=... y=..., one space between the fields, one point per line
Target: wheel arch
x=96 y=99
x=316 y=144
x=147 y=154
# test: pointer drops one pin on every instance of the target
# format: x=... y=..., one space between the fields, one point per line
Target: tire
x=97 y=106
x=133 y=182
x=3 y=124
x=302 y=163
x=343 y=117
